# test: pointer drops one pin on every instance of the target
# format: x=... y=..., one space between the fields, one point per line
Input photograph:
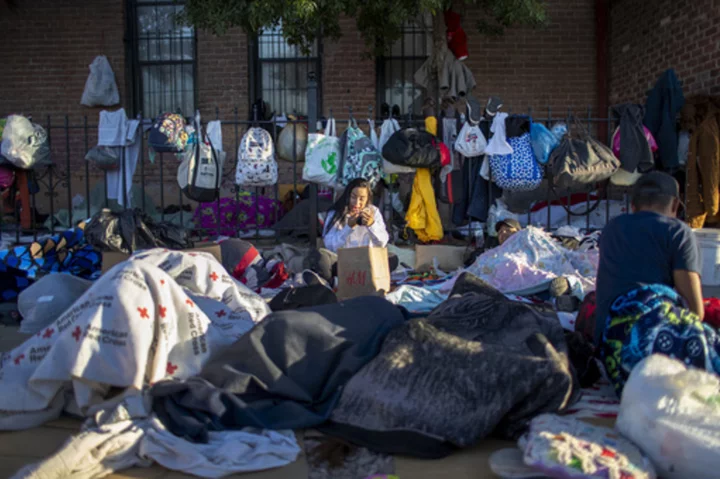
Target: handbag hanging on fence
x=518 y=171
x=581 y=160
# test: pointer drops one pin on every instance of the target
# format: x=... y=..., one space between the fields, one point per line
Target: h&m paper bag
x=363 y=272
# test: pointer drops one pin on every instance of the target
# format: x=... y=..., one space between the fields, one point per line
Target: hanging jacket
x=663 y=104
x=635 y=153
x=422 y=214
x=701 y=117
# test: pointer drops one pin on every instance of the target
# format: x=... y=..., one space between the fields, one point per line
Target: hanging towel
x=127 y=167
x=498 y=144
x=112 y=128
x=422 y=215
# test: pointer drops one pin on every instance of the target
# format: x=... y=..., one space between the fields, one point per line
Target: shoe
x=559 y=287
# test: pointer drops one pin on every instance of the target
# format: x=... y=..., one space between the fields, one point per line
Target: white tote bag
x=387 y=129
x=322 y=156
x=470 y=142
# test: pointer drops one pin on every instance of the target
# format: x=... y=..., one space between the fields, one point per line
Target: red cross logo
x=76 y=333
x=189 y=303
x=170 y=369
x=162 y=311
x=220 y=313
x=162 y=282
x=214 y=276
x=48 y=333
x=143 y=313
x=192 y=254
x=19 y=358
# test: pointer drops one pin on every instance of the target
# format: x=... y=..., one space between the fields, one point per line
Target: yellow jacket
x=422 y=214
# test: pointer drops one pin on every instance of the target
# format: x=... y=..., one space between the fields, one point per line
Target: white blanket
x=126 y=436
x=161 y=314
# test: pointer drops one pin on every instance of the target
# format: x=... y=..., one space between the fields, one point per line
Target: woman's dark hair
x=341 y=206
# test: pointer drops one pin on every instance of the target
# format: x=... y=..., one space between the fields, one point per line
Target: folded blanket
x=480 y=364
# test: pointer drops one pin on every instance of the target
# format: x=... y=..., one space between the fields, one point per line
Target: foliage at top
x=380 y=22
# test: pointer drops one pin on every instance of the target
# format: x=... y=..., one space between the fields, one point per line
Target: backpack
x=256 y=164
x=168 y=134
x=360 y=159
x=200 y=173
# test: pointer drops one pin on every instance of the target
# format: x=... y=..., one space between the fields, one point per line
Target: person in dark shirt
x=649 y=294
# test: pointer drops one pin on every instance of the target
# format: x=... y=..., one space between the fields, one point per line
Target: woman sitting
x=352 y=222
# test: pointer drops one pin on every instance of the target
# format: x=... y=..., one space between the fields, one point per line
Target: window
x=395 y=71
x=163 y=58
x=282 y=72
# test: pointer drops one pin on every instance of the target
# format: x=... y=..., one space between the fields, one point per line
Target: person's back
x=647 y=247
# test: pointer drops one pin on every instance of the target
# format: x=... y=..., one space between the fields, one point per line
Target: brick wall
x=539 y=68
x=348 y=74
x=649 y=37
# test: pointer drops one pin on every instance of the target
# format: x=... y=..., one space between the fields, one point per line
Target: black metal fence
x=47 y=200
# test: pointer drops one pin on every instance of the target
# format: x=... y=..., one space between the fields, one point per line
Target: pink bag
x=7 y=177
x=648 y=136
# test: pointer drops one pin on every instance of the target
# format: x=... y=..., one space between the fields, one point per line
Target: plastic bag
x=673 y=414
x=47 y=299
x=470 y=141
x=25 y=144
x=497 y=212
x=104 y=157
x=130 y=231
x=544 y=141
x=100 y=87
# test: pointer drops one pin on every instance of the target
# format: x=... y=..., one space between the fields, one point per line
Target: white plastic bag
x=673 y=414
x=25 y=144
x=322 y=156
x=100 y=87
x=387 y=129
x=470 y=142
x=497 y=212
x=373 y=134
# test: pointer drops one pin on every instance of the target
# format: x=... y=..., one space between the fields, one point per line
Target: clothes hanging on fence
x=455 y=78
x=114 y=129
x=661 y=109
x=701 y=116
x=422 y=215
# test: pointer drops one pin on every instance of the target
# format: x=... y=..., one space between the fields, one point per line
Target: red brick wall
x=348 y=74
x=539 y=68
x=649 y=37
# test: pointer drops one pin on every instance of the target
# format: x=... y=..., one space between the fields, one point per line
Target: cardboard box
x=110 y=259
x=363 y=272
x=449 y=258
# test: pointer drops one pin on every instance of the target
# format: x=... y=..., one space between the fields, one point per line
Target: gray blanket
x=480 y=364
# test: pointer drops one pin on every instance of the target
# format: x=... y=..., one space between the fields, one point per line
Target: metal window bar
x=395 y=71
x=56 y=184
x=163 y=66
x=282 y=72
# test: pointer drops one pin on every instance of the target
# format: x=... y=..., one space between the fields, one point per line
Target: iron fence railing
x=48 y=200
